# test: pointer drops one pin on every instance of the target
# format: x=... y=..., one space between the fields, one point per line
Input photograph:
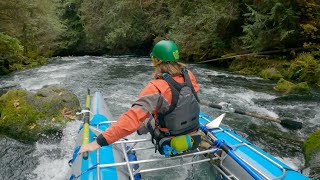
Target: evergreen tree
x=34 y=22
x=269 y=24
x=73 y=40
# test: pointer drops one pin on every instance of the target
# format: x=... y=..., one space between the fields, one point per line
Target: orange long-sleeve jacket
x=155 y=97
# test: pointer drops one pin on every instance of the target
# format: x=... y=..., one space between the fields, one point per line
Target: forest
x=281 y=37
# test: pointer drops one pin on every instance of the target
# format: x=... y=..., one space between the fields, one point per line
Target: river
x=122 y=78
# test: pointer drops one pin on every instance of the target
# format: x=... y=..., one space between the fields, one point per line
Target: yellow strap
x=88 y=101
x=85 y=137
x=154 y=63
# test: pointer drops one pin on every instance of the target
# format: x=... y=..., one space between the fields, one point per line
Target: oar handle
x=243 y=112
x=290 y=124
x=216 y=106
x=85 y=137
x=262 y=117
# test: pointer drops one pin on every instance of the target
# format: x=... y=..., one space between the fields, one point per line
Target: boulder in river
x=26 y=116
x=312 y=154
x=288 y=87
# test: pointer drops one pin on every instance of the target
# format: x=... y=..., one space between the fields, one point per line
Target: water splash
x=53 y=158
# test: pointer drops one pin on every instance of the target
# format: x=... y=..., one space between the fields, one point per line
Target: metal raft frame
x=242 y=143
x=218 y=156
x=131 y=172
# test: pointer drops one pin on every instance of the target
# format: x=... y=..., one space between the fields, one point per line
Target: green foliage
x=30 y=30
x=269 y=24
x=202 y=29
x=10 y=48
x=34 y=22
x=305 y=68
x=308 y=12
x=73 y=38
x=206 y=27
x=312 y=145
x=119 y=26
x=271 y=73
x=128 y=28
x=255 y=65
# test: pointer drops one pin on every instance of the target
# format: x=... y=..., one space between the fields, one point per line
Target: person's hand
x=89 y=147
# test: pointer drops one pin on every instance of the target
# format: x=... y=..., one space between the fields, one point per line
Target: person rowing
x=168 y=107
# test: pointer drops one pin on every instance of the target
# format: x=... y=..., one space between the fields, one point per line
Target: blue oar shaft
x=235 y=157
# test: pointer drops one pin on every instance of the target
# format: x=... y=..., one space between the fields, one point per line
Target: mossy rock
x=312 y=145
x=304 y=68
x=26 y=116
x=288 y=87
x=271 y=73
x=311 y=149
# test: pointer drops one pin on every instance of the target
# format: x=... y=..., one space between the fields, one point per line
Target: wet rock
x=315 y=166
x=16 y=159
x=26 y=116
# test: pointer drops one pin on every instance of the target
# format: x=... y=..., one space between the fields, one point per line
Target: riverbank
x=304 y=68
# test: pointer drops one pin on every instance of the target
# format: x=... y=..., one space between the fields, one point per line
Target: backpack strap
x=175 y=90
x=189 y=83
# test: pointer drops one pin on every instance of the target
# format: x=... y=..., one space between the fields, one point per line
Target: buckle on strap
x=165 y=75
x=185 y=70
x=168 y=151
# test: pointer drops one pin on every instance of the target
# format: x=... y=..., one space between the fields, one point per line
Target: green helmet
x=166 y=50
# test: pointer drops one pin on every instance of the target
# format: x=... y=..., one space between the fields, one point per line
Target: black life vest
x=183 y=115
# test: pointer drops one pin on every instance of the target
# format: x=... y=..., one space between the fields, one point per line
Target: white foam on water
x=33 y=84
x=211 y=90
x=241 y=98
x=56 y=166
x=226 y=74
x=7 y=83
x=51 y=169
x=316 y=119
x=313 y=121
x=250 y=95
x=247 y=98
x=76 y=58
x=46 y=69
x=292 y=162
